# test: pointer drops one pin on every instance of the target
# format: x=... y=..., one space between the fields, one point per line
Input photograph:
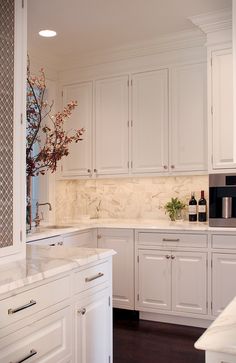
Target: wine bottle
x=192 y=209
x=202 y=208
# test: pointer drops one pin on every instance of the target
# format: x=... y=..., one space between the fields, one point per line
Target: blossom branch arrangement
x=46 y=140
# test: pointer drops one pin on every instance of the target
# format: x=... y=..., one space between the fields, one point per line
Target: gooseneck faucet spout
x=37 y=219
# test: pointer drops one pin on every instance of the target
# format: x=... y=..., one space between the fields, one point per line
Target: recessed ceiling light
x=47 y=33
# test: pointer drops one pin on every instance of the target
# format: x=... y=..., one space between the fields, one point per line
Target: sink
x=57 y=226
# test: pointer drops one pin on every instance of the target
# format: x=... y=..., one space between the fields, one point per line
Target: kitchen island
x=54 y=303
x=219 y=340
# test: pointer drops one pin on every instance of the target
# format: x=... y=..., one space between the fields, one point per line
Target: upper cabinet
x=111 y=126
x=188 y=118
x=12 y=128
x=79 y=162
x=221 y=119
x=149 y=122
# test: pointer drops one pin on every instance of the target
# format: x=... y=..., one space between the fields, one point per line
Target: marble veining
x=221 y=335
x=45 y=261
x=124 y=197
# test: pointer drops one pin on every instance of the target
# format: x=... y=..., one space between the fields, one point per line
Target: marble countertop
x=45 y=261
x=80 y=225
x=221 y=335
x=46 y=231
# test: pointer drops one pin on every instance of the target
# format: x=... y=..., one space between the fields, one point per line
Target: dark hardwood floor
x=139 y=341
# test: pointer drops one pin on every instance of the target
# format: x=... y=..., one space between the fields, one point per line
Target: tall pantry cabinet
x=12 y=128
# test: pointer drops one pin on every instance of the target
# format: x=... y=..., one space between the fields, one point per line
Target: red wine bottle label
x=201 y=209
x=192 y=209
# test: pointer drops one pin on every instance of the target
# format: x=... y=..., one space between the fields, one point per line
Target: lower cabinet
x=93 y=326
x=122 y=242
x=74 y=326
x=172 y=280
x=212 y=357
x=47 y=340
x=223 y=281
x=87 y=238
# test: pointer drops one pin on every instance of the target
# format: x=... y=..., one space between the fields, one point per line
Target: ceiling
x=90 y=26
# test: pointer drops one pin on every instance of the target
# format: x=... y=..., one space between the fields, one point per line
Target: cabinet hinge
x=21 y=236
x=131 y=164
x=128 y=164
x=211 y=306
x=22 y=4
x=109 y=301
x=138 y=297
x=211 y=61
x=62 y=93
x=61 y=168
x=109 y=359
x=212 y=110
x=131 y=82
x=138 y=259
x=131 y=123
x=207 y=304
x=128 y=83
x=128 y=123
x=21 y=119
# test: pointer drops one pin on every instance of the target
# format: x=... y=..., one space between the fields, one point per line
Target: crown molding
x=166 y=43
x=214 y=21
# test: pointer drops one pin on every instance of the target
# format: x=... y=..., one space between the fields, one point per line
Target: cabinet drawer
x=31 y=301
x=91 y=277
x=223 y=241
x=172 y=239
x=47 y=340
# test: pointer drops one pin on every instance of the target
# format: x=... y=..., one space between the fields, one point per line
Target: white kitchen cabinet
x=87 y=238
x=46 y=340
x=154 y=279
x=79 y=162
x=121 y=241
x=223 y=281
x=222 y=109
x=171 y=280
x=188 y=118
x=189 y=282
x=150 y=121
x=214 y=357
x=93 y=326
x=111 y=126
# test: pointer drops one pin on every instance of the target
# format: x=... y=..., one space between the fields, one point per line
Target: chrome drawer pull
x=88 y=279
x=170 y=239
x=31 y=353
x=13 y=311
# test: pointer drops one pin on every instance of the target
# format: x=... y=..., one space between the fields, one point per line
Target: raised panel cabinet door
x=93 y=329
x=111 y=125
x=79 y=160
x=81 y=239
x=223 y=280
x=222 y=109
x=188 y=118
x=154 y=280
x=122 y=242
x=150 y=122
x=189 y=282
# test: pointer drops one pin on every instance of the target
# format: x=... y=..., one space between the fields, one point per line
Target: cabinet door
x=79 y=160
x=189 y=282
x=150 y=122
x=154 y=280
x=47 y=340
x=111 y=126
x=81 y=239
x=223 y=281
x=121 y=241
x=222 y=108
x=188 y=118
x=93 y=329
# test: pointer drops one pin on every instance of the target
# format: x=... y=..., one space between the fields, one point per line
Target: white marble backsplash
x=123 y=198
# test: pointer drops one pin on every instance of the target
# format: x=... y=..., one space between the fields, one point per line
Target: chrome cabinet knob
x=165 y=167
x=172 y=166
x=172 y=257
x=167 y=256
x=81 y=311
x=95 y=170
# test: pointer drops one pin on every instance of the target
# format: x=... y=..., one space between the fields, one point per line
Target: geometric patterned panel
x=6 y=120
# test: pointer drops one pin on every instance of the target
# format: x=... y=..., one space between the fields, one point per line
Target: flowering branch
x=46 y=142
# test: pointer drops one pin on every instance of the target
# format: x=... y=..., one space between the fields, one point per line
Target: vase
x=28 y=203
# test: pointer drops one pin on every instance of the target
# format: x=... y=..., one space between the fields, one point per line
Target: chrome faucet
x=37 y=219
